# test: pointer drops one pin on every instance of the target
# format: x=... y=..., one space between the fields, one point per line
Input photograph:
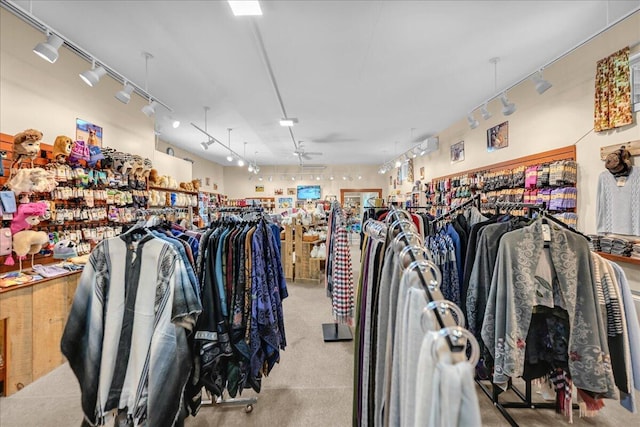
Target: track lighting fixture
x=260 y=179
x=49 y=50
x=92 y=76
x=205 y=144
x=250 y=168
x=331 y=178
x=541 y=84
x=150 y=109
x=398 y=163
x=245 y=7
x=229 y=157
x=175 y=123
x=485 y=112
x=293 y=178
x=508 y=108
x=124 y=95
x=240 y=162
x=473 y=123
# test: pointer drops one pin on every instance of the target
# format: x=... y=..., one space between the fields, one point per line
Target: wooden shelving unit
x=618 y=258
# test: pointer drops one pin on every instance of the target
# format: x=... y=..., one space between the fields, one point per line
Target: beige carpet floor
x=312 y=385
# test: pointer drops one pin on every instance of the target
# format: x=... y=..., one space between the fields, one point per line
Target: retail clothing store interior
x=319 y=213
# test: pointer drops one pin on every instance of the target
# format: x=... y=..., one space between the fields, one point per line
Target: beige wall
x=558 y=118
x=238 y=185
x=49 y=97
x=200 y=169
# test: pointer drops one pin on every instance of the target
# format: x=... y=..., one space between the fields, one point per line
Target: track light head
x=240 y=162
x=398 y=163
x=150 y=109
x=331 y=178
x=250 y=168
x=124 y=95
x=92 y=76
x=204 y=145
x=508 y=108
x=175 y=123
x=229 y=157
x=49 y=50
x=542 y=85
x=473 y=123
x=485 y=112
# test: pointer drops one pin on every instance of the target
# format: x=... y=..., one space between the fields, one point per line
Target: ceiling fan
x=306 y=155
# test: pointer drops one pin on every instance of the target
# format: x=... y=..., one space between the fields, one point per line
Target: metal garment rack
x=401 y=230
x=475 y=199
x=493 y=391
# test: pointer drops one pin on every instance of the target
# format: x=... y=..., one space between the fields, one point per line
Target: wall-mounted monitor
x=309 y=192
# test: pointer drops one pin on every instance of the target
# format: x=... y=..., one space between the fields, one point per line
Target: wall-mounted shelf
x=618 y=258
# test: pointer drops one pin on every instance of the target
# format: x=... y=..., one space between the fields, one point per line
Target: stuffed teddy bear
x=146 y=168
x=196 y=184
x=163 y=181
x=62 y=148
x=27 y=144
x=154 y=178
x=172 y=182
x=187 y=186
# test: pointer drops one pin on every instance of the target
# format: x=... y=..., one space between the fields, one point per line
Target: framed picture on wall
x=285 y=202
x=88 y=132
x=422 y=173
x=409 y=176
x=457 y=152
x=291 y=191
x=498 y=137
x=259 y=188
x=207 y=181
x=278 y=191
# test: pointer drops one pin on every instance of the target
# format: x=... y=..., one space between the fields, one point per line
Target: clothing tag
x=546 y=232
x=621 y=181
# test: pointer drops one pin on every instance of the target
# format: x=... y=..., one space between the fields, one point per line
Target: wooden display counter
x=34 y=315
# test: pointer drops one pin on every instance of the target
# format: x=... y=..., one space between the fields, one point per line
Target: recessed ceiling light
x=288 y=122
x=245 y=8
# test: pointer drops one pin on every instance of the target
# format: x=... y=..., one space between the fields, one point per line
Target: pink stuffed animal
x=27 y=216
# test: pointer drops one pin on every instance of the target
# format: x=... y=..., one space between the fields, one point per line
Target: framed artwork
x=395 y=184
x=88 y=132
x=207 y=180
x=409 y=176
x=259 y=188
x=422 y=173
x=278 y=191
x=285 y=202
x=457 y=152
x=390 y=180
x=498 y=137
x=291 y=191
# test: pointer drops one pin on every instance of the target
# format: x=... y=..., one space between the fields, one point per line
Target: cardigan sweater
x=618 y=208
x=515 y=291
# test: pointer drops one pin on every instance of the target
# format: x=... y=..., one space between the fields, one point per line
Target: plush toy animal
x=196 y=184
x=154 y=178
x=27 y=144
x=27 y=216
x=31 y=180
x=62 y=148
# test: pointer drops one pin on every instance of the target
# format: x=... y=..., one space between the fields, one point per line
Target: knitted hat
x=95 y=155
x=62 y=148
x=619 y=162
x=65 y=249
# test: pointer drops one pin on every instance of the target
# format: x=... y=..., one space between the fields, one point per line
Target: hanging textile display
x=339 y=271
x=613 y=107
x=161 y=312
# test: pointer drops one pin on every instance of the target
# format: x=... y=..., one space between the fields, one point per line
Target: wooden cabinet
x=34 y=316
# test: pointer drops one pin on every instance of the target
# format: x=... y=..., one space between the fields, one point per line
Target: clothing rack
x=494 y=393
x=475 y=198
x=332 y=332
x=402 y=224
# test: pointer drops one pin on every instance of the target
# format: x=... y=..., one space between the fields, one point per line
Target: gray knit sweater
x=618 y=208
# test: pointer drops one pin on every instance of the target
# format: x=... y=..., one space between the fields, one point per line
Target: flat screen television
x=309 y=192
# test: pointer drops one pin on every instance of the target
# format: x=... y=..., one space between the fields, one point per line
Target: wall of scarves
x=161 y=311
x=404 y=336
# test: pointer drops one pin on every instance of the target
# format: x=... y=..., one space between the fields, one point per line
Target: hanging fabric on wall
x=613 y=92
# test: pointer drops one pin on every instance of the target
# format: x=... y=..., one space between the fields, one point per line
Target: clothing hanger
x=545 y=216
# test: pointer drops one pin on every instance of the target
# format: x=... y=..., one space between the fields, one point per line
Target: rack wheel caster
x=248 y=409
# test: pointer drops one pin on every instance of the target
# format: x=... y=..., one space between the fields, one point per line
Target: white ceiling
x=359 y=75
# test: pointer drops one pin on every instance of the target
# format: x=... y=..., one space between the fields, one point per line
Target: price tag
x=546 y=232
x=621 y=181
